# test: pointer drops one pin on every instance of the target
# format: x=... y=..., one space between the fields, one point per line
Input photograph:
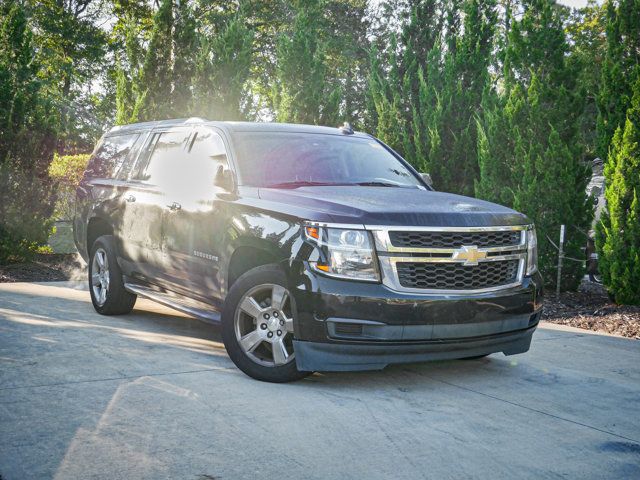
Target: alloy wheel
x=263 y=325
x=100 y=276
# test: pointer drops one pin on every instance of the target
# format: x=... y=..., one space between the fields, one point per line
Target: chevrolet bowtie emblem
x=471 y=255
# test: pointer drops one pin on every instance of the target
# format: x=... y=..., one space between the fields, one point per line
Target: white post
x=560 y=255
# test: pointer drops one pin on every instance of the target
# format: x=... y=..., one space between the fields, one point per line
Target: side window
x=125 y=169
x=110 y=156
x=207 y=153
x=165 y=163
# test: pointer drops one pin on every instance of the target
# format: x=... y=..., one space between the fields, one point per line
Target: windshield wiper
x=381 y=184
x=301 y=183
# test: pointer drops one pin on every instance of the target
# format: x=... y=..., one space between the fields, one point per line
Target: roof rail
x=195 y=120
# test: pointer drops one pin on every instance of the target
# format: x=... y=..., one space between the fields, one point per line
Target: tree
x=402 y=76
x=71 y=49
x=223 y=67
x=162 y=87
x=618 y=232
x=27 y=139
x=529 y=148
x=302 y=91
x=451 y=121
x=156 y=81
x=586 y=34
x=622 y=57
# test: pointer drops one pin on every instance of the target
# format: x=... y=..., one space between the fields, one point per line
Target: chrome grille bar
x=390 y=255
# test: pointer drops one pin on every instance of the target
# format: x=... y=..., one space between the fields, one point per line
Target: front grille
x=456 y=276
x=455 y=239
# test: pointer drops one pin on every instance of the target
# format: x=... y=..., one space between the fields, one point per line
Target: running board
x=201 y=311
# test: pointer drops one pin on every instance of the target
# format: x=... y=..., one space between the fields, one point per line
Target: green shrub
x=66 y=171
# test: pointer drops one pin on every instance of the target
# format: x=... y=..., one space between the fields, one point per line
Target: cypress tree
x=223 y=67
x=529 y=146
x=400 y=83
x=451 y=121
x=303 y=92
x=618 y=232
x=621 y=59
x=163 y=88
x=388 y=103
x=155 y=82
x=183 y=51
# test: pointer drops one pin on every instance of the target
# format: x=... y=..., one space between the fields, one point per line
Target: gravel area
x=590 y=308
x=45 y=268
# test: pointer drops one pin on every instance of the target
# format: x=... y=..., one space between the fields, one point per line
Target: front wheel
x=257 y=326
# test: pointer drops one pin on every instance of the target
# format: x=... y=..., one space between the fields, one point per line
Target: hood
x=392 y=206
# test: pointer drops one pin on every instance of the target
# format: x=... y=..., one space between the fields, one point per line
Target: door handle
x=130 y=198
x=174 y=206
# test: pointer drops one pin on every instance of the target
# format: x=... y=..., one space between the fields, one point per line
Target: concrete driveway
x=154 y=395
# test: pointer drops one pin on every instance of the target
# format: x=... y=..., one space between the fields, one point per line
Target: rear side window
x=110 y=156
x=165 y=165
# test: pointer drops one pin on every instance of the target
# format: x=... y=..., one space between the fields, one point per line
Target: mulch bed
x=45 y=268
x=590 y=308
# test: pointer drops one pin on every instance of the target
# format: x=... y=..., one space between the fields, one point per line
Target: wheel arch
x=247 y=257
x=97 y=227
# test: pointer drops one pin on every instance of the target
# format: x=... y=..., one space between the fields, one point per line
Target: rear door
x=193 y=230
x=146 y=201
x=101 y=188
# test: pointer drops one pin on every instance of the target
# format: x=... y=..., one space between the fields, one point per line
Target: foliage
x=507 y=99
x=67 y=171
x=26 y=140
x=71 y=49
x=223 y=67
x=427 y=99
x=618 y=232
x=530 y=154
x=622 y=58
x=302 y=92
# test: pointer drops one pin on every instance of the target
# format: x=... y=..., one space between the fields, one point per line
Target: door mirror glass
x=224 y=178
x=427 y=179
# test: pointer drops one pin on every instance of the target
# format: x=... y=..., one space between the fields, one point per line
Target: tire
x=595 y=278
x=114 y=300
x=257 y=326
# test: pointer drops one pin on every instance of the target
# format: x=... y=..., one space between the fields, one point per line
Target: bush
x=66 y=171
x=25 y=220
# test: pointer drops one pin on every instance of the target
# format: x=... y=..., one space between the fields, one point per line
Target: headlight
x=344 y=253
x=532 y=251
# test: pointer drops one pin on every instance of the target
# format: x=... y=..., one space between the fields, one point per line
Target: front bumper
x=343 y=325
x=335 y=357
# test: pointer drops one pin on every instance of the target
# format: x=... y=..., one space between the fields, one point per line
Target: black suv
x=317 y=249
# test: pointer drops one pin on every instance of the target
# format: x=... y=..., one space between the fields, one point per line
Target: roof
x=234 y=126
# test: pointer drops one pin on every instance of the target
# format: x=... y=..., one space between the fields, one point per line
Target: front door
x=193 y=230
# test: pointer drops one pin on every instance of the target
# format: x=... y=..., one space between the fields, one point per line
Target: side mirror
x=224 y=178
x=427 y=179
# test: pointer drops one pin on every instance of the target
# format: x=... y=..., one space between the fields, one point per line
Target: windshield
x=290 y=160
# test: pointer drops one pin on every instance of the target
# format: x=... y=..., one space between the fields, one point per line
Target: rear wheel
x=257 y=326
x=106 y=285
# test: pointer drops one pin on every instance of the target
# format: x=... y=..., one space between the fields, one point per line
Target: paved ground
x=153 y=395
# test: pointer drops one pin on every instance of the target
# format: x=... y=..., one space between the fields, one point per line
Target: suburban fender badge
x=207 y=256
